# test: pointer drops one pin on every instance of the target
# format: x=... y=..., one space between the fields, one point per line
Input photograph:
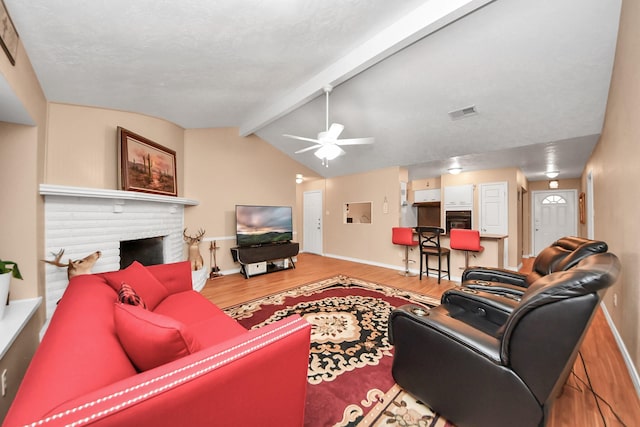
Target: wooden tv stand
x=256 y=260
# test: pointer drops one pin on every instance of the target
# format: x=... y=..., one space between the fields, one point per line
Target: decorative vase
x=5 y=281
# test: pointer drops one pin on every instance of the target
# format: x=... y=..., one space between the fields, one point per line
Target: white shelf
x=16 y=315
x=63 y=190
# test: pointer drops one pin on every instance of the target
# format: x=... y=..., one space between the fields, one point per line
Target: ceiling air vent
x=463 y=112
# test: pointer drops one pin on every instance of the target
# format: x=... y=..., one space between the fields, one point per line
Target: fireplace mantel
x=63 y=190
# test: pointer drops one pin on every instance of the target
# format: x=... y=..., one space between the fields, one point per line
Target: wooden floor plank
x=576 y=406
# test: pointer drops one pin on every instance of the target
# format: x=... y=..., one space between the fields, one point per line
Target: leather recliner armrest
x=494 y=308
x=500 y=275
x=429 y=321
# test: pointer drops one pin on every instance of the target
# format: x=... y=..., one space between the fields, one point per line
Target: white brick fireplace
x=85 y=220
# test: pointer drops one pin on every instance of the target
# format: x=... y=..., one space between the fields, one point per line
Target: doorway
x=312 y=222
x=554 y=216
x=590 y=217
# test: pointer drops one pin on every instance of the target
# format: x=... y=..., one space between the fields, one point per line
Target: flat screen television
x=262 y=225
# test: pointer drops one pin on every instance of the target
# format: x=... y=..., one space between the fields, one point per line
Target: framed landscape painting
x=8 y=34
x=146 y=166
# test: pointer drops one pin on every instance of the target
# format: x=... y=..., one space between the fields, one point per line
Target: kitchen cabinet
x=459 y=197
x=430 y=195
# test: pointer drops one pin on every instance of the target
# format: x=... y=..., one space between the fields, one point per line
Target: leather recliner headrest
x=570 y=243
x=590 y=247
x=546 y=261
x=565 y=253
x=592 y=274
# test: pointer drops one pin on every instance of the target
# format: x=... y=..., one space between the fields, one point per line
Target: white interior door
x=312 y=222
x=494 y=210
x=554 y=216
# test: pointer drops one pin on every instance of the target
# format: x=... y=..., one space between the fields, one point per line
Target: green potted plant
x=7 y=270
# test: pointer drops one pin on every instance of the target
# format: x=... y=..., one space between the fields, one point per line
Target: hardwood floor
x=576 y=406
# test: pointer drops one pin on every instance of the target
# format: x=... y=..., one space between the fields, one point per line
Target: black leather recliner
x=477 y=365
x=561 y=255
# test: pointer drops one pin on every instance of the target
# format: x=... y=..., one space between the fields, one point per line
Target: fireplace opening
x=148 y=251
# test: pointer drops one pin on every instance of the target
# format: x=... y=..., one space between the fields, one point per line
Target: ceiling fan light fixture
x=455 y=170
x=328 y=142
x=328 y=152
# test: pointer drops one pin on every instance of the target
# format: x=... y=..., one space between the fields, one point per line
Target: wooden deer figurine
x=194 y=249
x=76 y=267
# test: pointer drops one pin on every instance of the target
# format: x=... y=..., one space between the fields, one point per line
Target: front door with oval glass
x=554 y=216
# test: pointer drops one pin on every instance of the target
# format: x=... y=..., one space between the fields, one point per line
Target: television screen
x=259 y=225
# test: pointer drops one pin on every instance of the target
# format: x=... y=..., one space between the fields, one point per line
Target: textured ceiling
x=538 y=72
x=198 y=63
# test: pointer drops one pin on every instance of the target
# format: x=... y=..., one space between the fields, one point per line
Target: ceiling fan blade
x=301 y=138
x=313 y=147
x=334 y=131
x=356 y=141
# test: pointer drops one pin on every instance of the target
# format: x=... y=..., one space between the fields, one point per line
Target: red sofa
x=179 y=361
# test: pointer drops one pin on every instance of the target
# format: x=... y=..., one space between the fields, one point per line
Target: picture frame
x=146 y=166
x=8 y=34
x=581 y=207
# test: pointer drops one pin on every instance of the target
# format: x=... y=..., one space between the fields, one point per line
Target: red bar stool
x=465 y=240
x=404 y=236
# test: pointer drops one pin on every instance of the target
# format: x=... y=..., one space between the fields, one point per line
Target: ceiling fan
x=327 y=142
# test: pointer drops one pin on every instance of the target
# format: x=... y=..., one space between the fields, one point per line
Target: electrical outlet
x=615 y=300
x=4 y=382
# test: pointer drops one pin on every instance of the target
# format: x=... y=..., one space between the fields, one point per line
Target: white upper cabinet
x=430 y=195
x=459 y=197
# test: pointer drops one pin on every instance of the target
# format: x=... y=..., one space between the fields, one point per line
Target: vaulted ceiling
x=537 y=72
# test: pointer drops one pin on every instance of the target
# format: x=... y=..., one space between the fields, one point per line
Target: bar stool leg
x=406 y=271
x=406 y=260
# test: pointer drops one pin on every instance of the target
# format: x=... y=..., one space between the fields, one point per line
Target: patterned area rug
x=350 y=382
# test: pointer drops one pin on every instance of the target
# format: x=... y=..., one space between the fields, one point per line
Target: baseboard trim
x=389 y=266
x=633 y=373
x=364 y=261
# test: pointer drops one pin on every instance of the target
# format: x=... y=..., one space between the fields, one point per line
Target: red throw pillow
x=127 y=295
x=151 y=339
x=138 y=277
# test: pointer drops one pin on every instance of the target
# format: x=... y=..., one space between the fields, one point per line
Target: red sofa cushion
x=173 y=276
x=205 y=320
x=152 y=339
x=139 y=278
